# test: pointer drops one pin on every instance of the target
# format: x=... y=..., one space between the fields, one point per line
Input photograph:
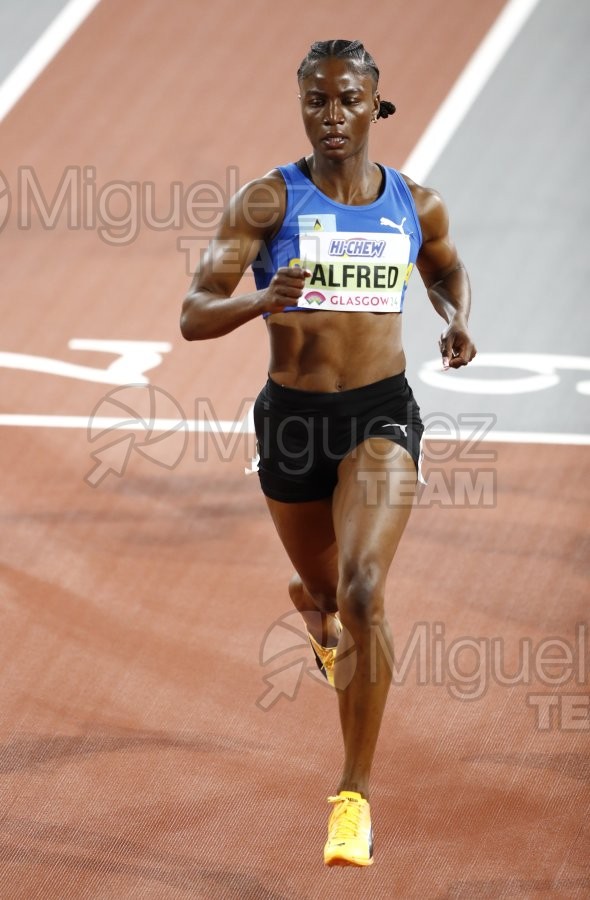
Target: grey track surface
x=515 y=179
x=21 y=23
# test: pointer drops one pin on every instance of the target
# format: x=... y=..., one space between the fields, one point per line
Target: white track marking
x=245 y=426
x=543 y=366
x=219 y=426
x=42 y=52
x=134 y=358
x=467 y=88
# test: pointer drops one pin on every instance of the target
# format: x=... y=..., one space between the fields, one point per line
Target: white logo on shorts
x=404 y=428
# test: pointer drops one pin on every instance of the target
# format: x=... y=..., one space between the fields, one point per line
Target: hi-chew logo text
x=356 y=246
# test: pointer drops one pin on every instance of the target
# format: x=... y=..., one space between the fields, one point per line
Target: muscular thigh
x=371 y=505
x=306 y=531
x=357 y=529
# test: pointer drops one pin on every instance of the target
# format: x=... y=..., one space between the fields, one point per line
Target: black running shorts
x=303 y=435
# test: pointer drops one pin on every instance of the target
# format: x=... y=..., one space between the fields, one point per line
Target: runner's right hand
x=285 y=288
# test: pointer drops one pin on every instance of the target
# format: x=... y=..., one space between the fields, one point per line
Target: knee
x=295 y=588
x=361 y=595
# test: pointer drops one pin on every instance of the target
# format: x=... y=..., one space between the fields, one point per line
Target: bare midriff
x=327 y=351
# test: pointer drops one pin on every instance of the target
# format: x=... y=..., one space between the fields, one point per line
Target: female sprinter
x=332 y=240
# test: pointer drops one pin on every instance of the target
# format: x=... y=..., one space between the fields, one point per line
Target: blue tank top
x=361 y=257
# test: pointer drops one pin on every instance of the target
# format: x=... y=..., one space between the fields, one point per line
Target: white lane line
x=246 y=426
x=220 y=426
x=512 y=437
x=42 y=52
x=467 y=88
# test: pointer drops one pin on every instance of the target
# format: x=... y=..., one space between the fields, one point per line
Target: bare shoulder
x=261 y=202
x=270 y=186
x=431 y=209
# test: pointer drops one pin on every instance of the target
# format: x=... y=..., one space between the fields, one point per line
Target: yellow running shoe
x=325 y=657
x=350 y=834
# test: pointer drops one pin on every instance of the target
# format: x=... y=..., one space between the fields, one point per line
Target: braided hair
x=356 y=53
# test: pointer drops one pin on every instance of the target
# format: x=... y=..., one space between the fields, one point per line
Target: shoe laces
x=347 y=818
x=327 y=654
x=329 y=657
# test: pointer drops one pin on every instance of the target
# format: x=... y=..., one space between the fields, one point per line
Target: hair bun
x=385 y=109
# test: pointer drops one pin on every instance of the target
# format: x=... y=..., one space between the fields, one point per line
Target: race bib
x=354 y=272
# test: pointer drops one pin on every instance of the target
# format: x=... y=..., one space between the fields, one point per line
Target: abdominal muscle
x=326 y=351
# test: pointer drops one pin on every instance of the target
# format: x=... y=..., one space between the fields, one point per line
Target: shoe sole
x=348 y=861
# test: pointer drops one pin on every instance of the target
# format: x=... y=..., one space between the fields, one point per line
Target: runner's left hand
x=456 y=347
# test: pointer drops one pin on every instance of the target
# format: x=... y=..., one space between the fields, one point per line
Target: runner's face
x=337 y=105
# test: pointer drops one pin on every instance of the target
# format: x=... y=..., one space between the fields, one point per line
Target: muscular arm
x=209 y=310
x=444 y=276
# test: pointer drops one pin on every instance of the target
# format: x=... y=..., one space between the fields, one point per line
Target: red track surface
x=134 y=759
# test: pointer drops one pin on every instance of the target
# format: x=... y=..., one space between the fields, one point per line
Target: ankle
x=358 y=787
